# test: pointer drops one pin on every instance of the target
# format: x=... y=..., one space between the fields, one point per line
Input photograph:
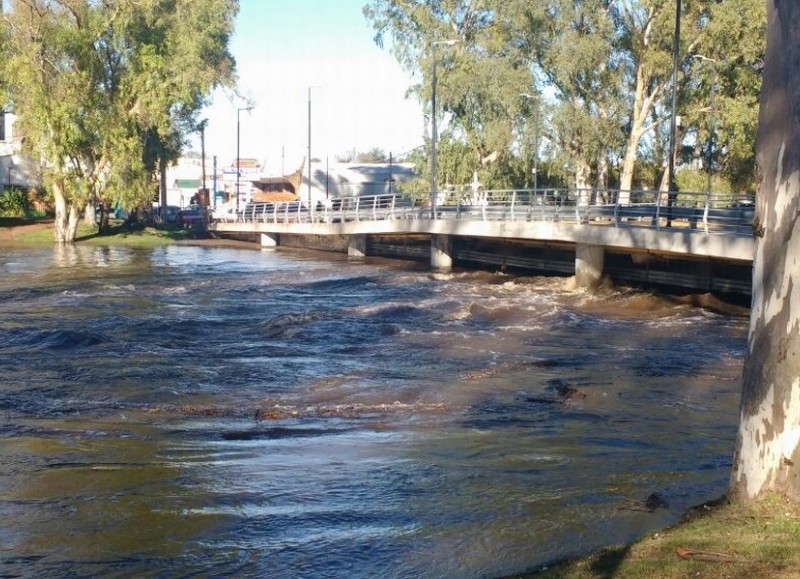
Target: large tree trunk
x=601 y=183
x=67 y=216
x=642 y=105
x=583 y=174
x=72 y=223
x=767 y=456
x=90 y=215
x=62 y=216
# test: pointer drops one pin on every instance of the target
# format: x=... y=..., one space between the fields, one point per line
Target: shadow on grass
x=123 y=231
x=607 y=562
x=17 y=221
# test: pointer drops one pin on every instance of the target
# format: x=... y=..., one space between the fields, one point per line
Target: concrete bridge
x=691 y=241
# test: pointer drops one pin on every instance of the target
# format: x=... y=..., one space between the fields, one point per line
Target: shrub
x=14 y=203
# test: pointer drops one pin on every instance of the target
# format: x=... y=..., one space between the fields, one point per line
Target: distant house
x=360 y=179
x=277 y=189
x=16 y=170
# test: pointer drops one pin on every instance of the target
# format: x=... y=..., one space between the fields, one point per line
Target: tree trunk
x=583 y=173
x=60 y=229
x=105 y=209
x=767 y=456
x=601 y=184
x=90 y=215
x=72 y=223
x=642 y=105
x=67 y=216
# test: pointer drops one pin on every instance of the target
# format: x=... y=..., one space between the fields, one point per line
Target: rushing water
x=190 y=411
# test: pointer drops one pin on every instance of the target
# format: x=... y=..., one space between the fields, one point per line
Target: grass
x=724 y=539
x=118 y=234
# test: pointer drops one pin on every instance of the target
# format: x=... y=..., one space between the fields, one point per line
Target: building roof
x=187 y=183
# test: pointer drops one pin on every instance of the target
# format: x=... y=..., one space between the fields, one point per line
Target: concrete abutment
x=588 y=265
x=269 y=241
x=441 y=253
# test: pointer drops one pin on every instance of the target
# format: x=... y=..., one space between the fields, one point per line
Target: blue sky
x=283 y=47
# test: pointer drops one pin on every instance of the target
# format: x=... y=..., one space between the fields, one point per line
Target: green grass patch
x=117 y=234
x=717 y=541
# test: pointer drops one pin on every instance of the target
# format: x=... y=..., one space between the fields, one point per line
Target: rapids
x=189 y=411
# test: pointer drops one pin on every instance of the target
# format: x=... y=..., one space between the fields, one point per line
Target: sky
x=283 y=47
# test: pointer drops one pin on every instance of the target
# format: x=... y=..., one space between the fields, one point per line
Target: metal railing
x=715 y=213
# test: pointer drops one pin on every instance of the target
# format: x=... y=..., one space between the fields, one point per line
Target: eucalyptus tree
x=767 y=456
x=102 y=90
x=723 y=80
x=479 y=78
x=572 y=44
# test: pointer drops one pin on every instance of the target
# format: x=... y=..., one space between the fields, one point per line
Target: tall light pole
x=535 y=169
x=712 y=90
x=309 y=145
x=434 y=133
x=238 y=160
x=676 y=45
x=202 y=128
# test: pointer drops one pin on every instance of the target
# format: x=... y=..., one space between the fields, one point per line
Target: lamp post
x=434 y=133
x=309 y=145
x=202 y=128
x=712 y=90
x=535 y=169
x=238 y=160
x=676 y=44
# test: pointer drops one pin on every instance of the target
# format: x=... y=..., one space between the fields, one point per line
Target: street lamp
x=535 y=169
x=238 y=160
x=434 y=133
x=202 y=128
x=712 y=90
x=676 y=43
x=309 y=145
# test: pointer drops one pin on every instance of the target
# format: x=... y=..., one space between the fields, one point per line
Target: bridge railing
x=714 y=213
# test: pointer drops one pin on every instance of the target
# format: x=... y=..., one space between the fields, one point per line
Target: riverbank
x=15 y=232
x=718 y=540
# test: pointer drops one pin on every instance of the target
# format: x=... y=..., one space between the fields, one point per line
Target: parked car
x=192 y=216
x=171 y=214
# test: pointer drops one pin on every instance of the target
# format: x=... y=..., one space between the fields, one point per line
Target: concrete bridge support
x=588 y=265
x=357 y=247
x=269 y=241
x=441 y=253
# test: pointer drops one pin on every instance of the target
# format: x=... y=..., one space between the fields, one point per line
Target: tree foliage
x=105 y=91
x=601 y=75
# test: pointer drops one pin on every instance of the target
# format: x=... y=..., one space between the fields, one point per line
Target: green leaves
x=104 y=90
x=602 y=68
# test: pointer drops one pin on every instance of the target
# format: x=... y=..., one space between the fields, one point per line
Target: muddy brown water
x=196 y=411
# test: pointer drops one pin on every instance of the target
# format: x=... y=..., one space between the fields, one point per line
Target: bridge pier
x=269 y=240
x=588 y=265
x=441 y=252
x=357 y=247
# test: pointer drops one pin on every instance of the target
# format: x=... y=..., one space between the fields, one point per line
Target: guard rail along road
x=704 y=225
x=715 y=213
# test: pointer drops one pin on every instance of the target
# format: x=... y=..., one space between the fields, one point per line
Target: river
x=197 y=412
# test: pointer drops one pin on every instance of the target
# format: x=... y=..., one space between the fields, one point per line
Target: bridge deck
x=718 y=227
